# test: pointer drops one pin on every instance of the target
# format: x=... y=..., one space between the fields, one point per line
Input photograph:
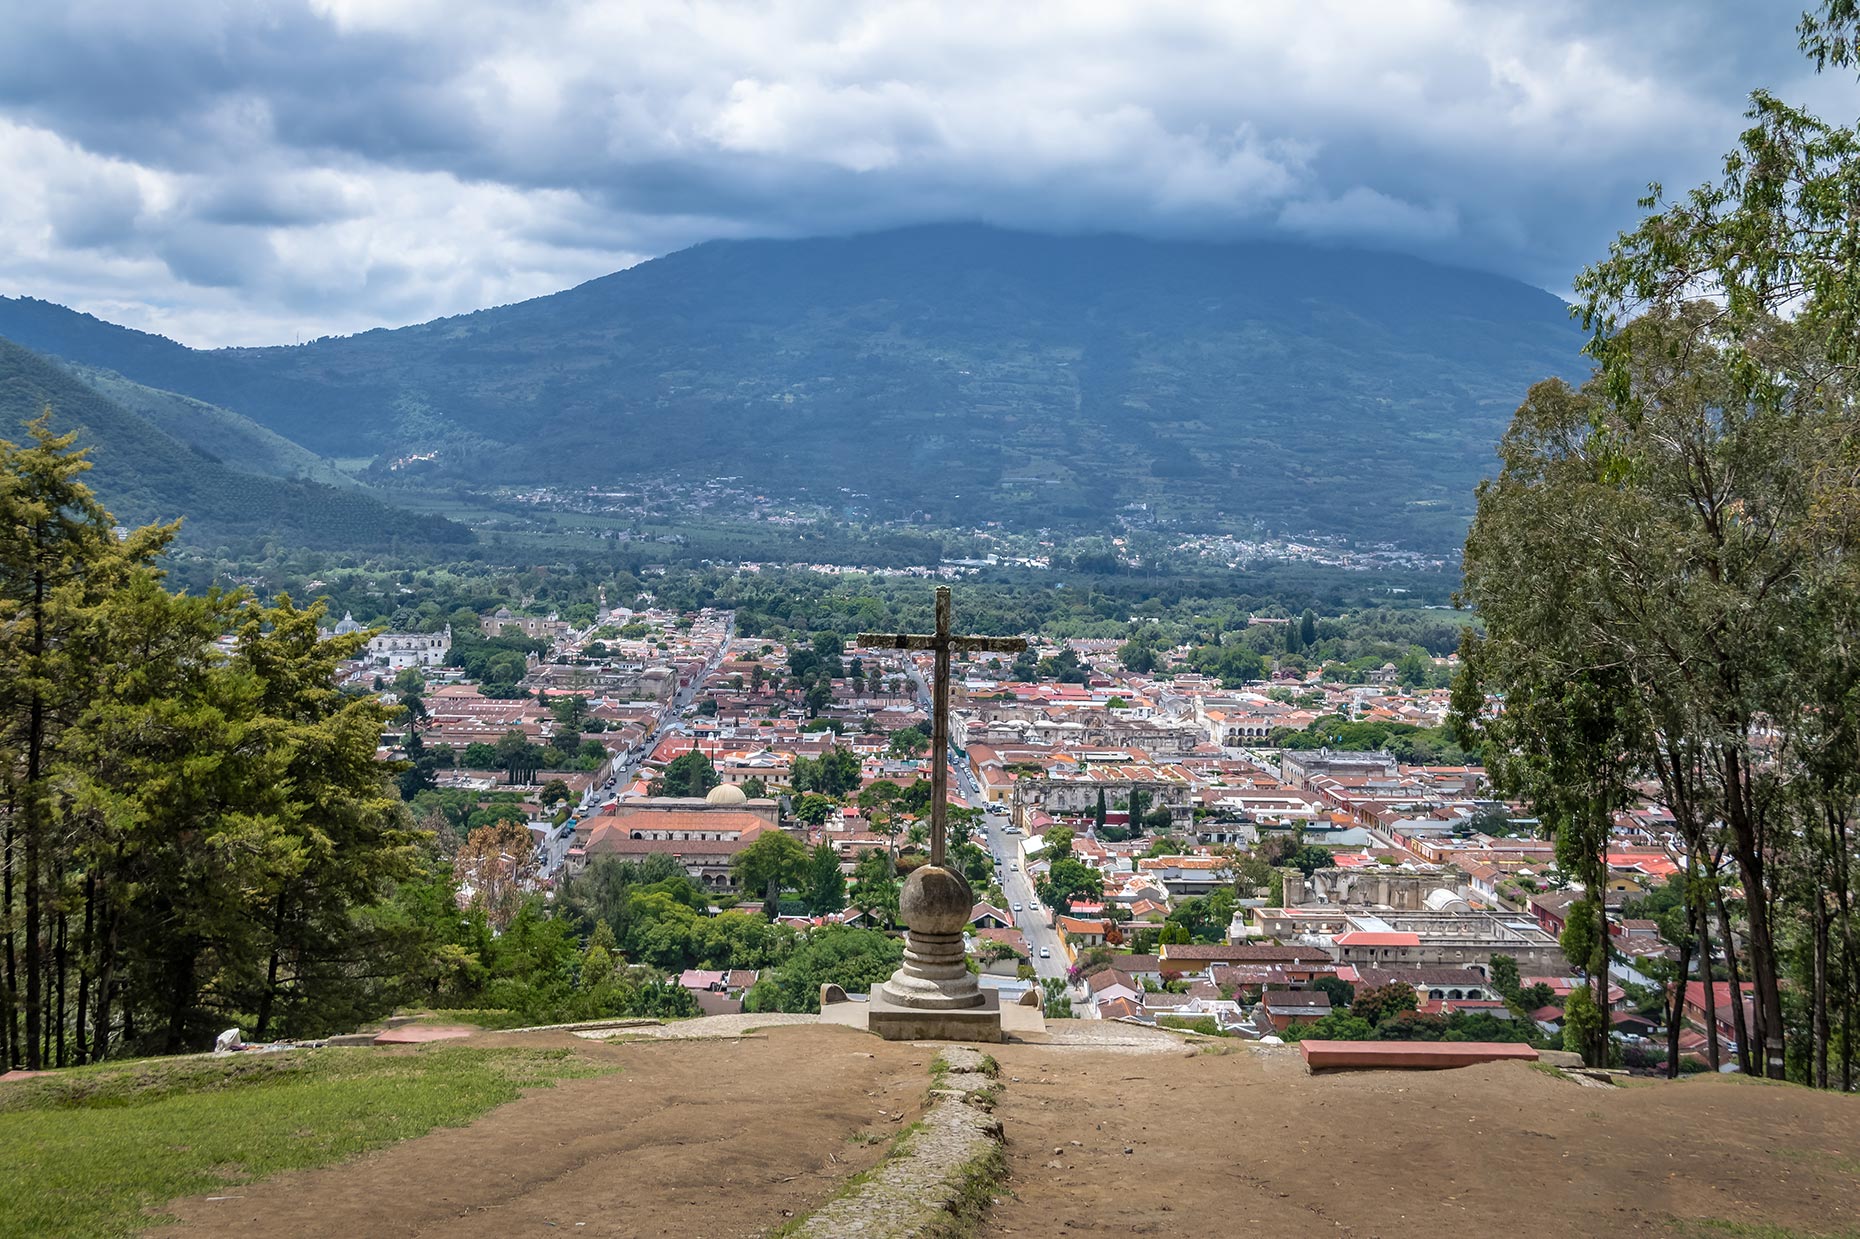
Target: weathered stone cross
x=944 y=643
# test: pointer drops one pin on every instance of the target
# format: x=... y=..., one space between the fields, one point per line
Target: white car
x=1016 y=907
x=1046 y=952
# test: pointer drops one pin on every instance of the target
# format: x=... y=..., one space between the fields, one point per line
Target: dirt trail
x=691 y=1138
x=1250 y=1144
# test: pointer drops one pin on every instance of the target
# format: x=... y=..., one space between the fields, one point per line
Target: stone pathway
x=1114 y=1037
x=945 y=1167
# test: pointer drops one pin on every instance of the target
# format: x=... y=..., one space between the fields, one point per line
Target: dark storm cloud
x=251 y=171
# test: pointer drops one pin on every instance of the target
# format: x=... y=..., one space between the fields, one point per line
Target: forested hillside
x=963 y=372
x=220 y=433
x=146 y=474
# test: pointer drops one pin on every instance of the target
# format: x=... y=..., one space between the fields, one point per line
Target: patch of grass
x=1717 y=1228
x=1841 y=1163
x=980 y=1181
x=92 y=1150
x=479 y=1017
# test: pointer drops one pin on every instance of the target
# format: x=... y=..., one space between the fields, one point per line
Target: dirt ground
x=1250 y=1144
x=718 y=1139
x=732 y=1137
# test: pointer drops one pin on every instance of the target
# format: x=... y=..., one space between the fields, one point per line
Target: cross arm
x=895 y=641
x=995 y=645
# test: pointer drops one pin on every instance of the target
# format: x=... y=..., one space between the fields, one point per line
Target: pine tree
x=59 y=555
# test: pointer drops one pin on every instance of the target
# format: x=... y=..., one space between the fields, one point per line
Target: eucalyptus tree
x=1654 y=528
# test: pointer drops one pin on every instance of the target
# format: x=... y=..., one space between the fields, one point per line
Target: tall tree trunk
x=1676 y=1006
x=106 y=969
x=9 y=1036
x=263 y=1025
x=61 y=969
x=1604 y=1037
x=1818 y=1052
x=86 y=958
x=1749 y=1054
x=1708 y=976
x=34 y=962
x=1849 y=974
x=183 y=959
x=1747 y=847
x=32 y=804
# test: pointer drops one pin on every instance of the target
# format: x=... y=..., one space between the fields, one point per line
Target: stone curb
x=928 y=1184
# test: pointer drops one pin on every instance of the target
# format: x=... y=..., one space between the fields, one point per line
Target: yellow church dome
x=726 y=793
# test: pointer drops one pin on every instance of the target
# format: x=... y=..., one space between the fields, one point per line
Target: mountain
x=962 y=372
x=143 y=473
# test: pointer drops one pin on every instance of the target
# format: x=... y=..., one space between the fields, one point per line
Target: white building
x=398 y=650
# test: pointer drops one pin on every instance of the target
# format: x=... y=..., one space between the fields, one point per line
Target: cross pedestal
x=933 y=995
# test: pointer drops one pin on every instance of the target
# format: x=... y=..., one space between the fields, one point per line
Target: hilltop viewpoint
x=761 y=1125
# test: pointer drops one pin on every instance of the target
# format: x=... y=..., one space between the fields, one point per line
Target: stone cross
x=944 y=643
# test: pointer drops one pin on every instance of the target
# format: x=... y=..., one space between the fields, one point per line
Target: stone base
x=895 y=1022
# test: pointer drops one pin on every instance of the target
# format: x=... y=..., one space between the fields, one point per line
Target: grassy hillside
x=965 y=372
x=144 y=474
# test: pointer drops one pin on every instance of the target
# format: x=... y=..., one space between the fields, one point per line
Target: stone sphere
x=936 y=900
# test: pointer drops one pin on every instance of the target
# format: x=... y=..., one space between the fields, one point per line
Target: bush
x=1203 y=1024
x=1337 y=1026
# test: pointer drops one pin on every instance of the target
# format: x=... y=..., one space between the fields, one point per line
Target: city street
x=1019 y=890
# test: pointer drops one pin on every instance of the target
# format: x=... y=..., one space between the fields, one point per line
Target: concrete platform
x=1409 y=1055
x=1012 y=1022
x=419 y=1034
x=895 y=1022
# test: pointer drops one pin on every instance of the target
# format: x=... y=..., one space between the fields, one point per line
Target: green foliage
x=1206 y=1025
x=1406 y=743
x=855 y=959
x=826 y=885
x=688 y=774
x=1505 y=976
x=813 y=808
x=1337 y=1026
x=1070 y=879
x=1584 y=1025
x=1380 y=1002
x=774 y=862
x=833 y=773
x=876 y=886
x=1205 y=918
x=1341 y=992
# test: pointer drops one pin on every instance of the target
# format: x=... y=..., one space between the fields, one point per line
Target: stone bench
x=1409 y=1055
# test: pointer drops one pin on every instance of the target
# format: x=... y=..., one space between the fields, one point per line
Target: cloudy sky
x=244 y=172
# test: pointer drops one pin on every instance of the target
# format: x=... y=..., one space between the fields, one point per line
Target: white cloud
x=246 y=173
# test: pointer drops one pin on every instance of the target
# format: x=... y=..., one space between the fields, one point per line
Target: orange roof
x=1365 y=937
